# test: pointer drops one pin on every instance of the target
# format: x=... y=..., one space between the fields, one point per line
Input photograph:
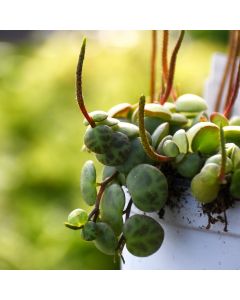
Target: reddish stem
x=79 y=94
x=225 y=74
x=233 y=68
x=172 y=68
x=164 y=55
x=153 y=65
x=234 y=94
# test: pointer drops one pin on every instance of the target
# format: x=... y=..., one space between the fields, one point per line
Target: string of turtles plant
x=145 y=146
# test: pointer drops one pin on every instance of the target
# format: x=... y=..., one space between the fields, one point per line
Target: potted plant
x=171 y=175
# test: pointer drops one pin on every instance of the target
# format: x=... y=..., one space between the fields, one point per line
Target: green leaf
x=120 y=110
x=235 y=186
x=190 y=103
x=144 y=236
x=88 y=183
x=180 y=138
x=232 y=134
x=148 y=187
x=204 y=137
x=157 y=110
x=219 y=119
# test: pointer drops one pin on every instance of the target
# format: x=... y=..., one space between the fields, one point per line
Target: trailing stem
x=225 y=73
x=172 y=68
x=164 y=55
x=122 y=240
x=224 y=156
x=153 y=65
x=165 y=65
x=233 y=68
x=95 y=212
x=79 y=94
x=234 y=94
x=147 y=147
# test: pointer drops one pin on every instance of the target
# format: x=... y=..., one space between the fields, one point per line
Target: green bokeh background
x=41 y=131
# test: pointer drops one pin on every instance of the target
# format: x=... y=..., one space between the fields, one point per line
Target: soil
x=177 y=196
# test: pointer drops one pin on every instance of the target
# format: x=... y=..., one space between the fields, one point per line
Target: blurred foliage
x=41 y=134
x=212 y=35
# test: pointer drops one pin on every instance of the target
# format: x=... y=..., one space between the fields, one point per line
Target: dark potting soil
x=178 y=191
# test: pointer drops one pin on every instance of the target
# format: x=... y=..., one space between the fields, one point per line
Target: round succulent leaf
x=77 y=217
x=151 y=123
x=159 y=133
x=117 y=151
x=129 y=129
x=112 y=205
x=219 y=119
x=190 y=103
x=97 y=116
x=136 y=156
x=108 y=171
x=157 y=110
x=120 y=110
x=211 y=172
x=144 y=236
x=178 y=119
x=217 y=159
x=98 y=139
x=106 y=240
x=160 y=146
x=203 y=189
x=170 y=149
x=89 y=231
x=229 y=148
x=204 y=137
x=180 y=138
x=235 y=157
x=148 y=187
x=190 y=165
x=234 y=121
x=111 y=122
x=232 y=134
x=235 y=184
x=170 y=106
x=88 y=183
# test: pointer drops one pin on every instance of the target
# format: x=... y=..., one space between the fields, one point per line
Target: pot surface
x=188 y=244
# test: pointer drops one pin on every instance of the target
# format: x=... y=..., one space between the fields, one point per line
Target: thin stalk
x=79 y=94
x=95 y=212
x=164 y=55
x=224 y=156
x=233 y=67
x=172 y=68
x=153 y=65
x=225 y=73
x=234 y=94
x=144 y=139
x=165 y=64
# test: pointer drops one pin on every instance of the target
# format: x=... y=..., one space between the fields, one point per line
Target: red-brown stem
x=165 y=64
x=153 y=65
x=225 y=74
x=79 y=94
x=143 y=136
x=234 y=94
x=164 y=55
x=172 y=68
x=95 y=212
x=233 y=68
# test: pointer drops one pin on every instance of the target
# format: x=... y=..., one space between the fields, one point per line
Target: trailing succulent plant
x=140 y=147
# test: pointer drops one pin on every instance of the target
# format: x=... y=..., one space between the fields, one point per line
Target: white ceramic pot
x=188 y=244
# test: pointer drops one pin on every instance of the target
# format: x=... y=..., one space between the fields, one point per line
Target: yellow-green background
x=41 y=131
